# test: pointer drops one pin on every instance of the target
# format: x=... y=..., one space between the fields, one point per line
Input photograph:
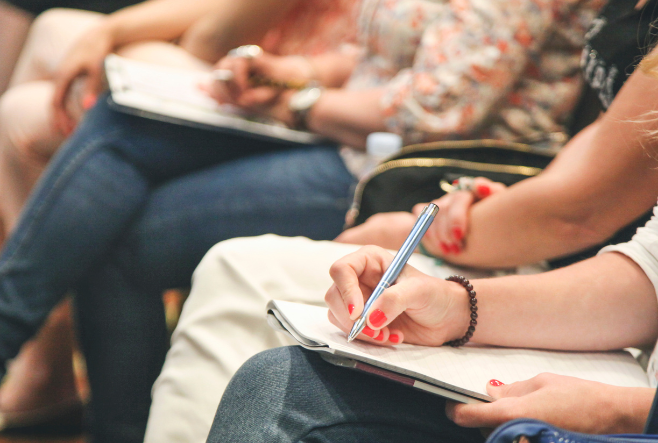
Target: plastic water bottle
x=379 y=146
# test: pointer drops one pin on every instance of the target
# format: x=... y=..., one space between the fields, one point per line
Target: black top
x=36 y=7
x=616 y=42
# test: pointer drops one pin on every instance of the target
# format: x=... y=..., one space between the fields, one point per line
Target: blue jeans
x=291 y=395
x=126 y=209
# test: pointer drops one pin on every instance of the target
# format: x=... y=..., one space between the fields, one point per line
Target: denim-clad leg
x=294 y=192
x=290 y=395
x=96 y=187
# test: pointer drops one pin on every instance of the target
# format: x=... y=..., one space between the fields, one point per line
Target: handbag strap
x=651 y=426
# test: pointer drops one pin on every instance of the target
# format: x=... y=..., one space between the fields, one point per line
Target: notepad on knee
x=173 y=95
x=457 y=373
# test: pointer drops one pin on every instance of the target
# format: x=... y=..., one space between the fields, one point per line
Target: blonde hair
x=649 y=64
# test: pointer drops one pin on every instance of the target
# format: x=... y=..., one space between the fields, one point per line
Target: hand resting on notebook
x=595 y=408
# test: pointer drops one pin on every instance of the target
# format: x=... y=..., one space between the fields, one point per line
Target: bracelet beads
x=473 y=305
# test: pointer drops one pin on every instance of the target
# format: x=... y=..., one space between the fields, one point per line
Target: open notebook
x=457 y=373
x=173 y=95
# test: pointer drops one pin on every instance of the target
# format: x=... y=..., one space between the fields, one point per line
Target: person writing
x=604 y=303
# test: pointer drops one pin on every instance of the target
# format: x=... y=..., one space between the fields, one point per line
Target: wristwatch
x=301 y=103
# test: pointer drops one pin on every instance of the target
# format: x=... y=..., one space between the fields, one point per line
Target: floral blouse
x=473 y=68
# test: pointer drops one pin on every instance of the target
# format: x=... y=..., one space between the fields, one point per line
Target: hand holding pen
x=250 y=78
x=416 y=309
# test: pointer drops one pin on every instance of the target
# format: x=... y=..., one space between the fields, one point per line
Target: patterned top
x=473 y=68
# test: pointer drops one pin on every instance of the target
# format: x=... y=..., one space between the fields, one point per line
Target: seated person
x=603 y=303
x=41 y=387
x=17 y=15
x=131 y=205
x=579 y=205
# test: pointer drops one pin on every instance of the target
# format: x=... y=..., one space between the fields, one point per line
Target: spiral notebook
x=460 y=374
x=173 y=95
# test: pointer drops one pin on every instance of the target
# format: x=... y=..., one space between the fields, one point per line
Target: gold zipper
x=353 y=212
x=469 y=144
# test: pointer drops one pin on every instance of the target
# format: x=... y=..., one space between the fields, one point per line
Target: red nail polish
x=458 y=233
x=394 y=338
x=377 y=318
x=444 y=248
x=350 y=308
x=88 y=102
x=380 y=337
x=484 y=191
x=455 y=249
x=496 y=383
x=455 y=182
x=369 y=332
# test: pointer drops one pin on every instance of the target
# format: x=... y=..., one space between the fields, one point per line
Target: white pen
x=423 y=222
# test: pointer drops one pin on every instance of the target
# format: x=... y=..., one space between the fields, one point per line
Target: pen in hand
x=419 y=229
x=225 y=75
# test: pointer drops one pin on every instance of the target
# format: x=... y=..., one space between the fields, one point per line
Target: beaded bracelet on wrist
x=474 y=314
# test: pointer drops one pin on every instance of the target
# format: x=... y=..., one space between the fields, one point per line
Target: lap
x=303 y=398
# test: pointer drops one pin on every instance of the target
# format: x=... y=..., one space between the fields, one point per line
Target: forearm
x=347 y=116
x=333 y=68
x=602 y=180
x=606 y=302
x=231 y=24
x=155 y=20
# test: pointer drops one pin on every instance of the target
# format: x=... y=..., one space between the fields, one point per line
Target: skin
x=207 y=29
x=602 y=180
x=615 y=307
x=342 y=115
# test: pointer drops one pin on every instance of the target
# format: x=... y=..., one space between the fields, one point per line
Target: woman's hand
x=450 y=228
x=567 y=402
x=387 y=230
x=85 y=59
x=248 y=88
x=417 y=309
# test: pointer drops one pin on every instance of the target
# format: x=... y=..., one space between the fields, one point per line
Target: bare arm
x=603 y=303
x=231 y=24
x=602 y=180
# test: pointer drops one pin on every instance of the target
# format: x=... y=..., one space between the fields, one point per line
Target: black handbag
x=424 y=172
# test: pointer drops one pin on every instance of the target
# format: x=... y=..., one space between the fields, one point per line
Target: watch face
x=304 y=99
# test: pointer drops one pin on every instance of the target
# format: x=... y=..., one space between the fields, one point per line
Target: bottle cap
x=383 y=144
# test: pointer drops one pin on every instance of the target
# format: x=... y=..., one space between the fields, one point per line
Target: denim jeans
x=126 y=209
x=289 y=394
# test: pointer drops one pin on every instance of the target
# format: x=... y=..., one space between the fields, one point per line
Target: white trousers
x=223 y=322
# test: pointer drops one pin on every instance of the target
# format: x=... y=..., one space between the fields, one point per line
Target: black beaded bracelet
x=474 y=311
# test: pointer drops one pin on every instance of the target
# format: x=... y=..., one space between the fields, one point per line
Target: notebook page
x=471 y=367
x=167 y=83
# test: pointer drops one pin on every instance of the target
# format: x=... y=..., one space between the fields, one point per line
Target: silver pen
x=423 y=222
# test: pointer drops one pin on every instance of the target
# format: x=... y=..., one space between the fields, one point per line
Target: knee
x=48 y=24
x=25 y=121
x=266 y=372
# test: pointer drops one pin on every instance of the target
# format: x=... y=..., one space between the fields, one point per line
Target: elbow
x=580 y=233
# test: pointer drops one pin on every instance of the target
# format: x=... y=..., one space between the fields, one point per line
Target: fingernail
x=377 y=318
x=484 y=191
x=350 y=308
x=456 y=249
x=444 y=248
x=394 y=338
x=369 y=332
x=455 y=182
x=88 y=101
x=495 y=382
x=458 y=233
x=380 y=337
